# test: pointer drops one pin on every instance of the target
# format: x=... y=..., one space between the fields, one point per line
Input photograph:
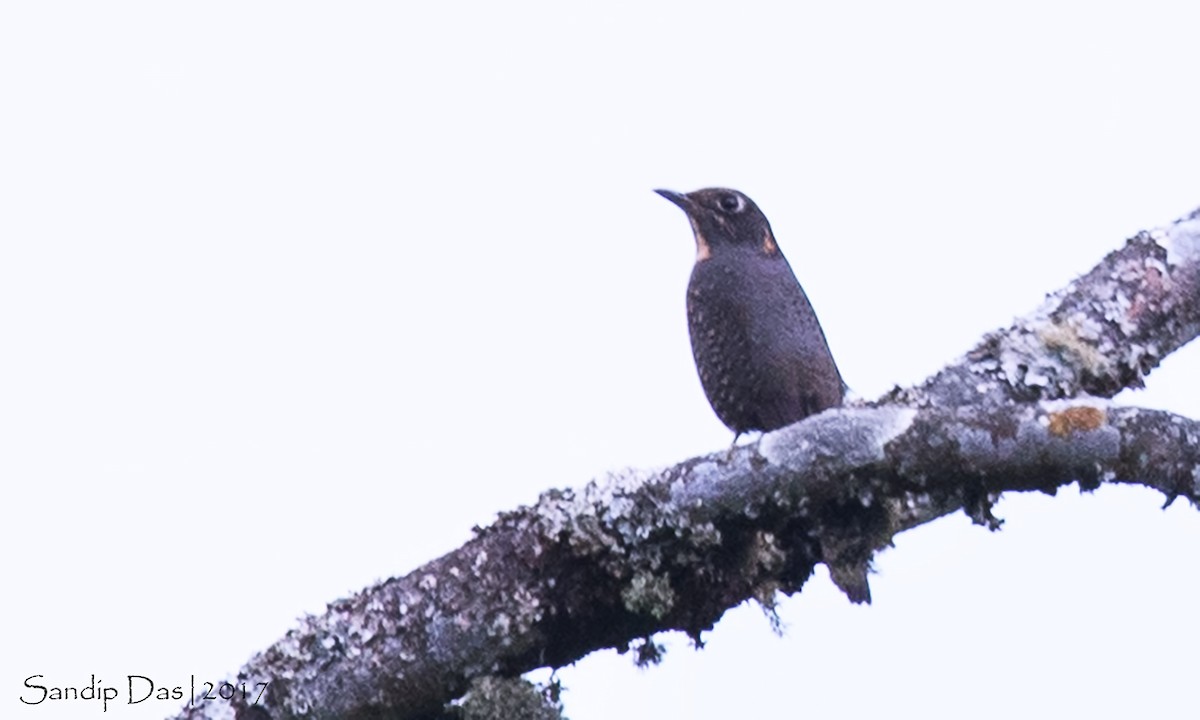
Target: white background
x=294 y=294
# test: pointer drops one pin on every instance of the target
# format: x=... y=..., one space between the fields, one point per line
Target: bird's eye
x=731 y=203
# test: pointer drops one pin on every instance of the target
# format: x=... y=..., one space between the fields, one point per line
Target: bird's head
x=722 y=218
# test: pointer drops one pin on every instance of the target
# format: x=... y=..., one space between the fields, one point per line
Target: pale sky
x=294 y=294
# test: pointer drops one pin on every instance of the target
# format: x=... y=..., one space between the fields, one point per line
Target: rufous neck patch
x=769 y=246
x=703 y=251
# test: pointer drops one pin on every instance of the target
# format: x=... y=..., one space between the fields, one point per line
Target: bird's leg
x=733 y=446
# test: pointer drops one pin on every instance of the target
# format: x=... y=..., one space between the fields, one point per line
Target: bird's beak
x=679 y=199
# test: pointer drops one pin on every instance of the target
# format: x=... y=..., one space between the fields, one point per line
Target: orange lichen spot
x=1076 y=419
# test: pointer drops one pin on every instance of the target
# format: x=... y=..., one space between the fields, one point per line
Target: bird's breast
x=759 y=350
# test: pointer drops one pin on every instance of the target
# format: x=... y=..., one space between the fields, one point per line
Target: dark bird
x=759 y=349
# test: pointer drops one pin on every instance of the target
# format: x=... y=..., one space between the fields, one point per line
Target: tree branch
x=641 y=553
x=1100 y=334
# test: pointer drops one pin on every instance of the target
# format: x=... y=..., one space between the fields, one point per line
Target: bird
x=759 y=349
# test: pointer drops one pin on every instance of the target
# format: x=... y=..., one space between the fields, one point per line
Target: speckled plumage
x=760 y=351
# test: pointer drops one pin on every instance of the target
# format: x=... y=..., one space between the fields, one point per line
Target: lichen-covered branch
x=1100 y=334
x=640 y=553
